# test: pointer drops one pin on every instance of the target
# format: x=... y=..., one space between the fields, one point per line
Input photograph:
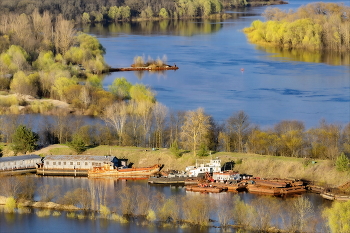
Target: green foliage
x=24 y=140
x=140 y=92
x=15 y=59
x=62 y=85
x=45 y=60
x=85 y=18
x=119 y=13
x=77 y=144
x=151 y=216
x=94 y=81
x=203 y=150
x=23 y=84
x=10 y=205
x=169 y=211
x=338 y=217
x=342 y=163
x=174 y=148
x=163 y=13
x=104 y=211
x=314 y=26
x=120 y=88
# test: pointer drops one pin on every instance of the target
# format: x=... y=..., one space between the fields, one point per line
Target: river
x=210 y=54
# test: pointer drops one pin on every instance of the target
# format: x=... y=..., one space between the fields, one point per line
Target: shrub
x=151 y=216
x=71 y=215
x=43 y=213
x=342 y=163
x=10 y=205
x=104 y=211
x=56 y=213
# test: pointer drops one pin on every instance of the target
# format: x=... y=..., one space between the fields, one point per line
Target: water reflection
x=328 y=57
x=168 y=27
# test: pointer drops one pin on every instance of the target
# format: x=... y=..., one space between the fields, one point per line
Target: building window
x=54 y=163
x=86 y=163
x=48 y=162
x=71 y=163
x=59 y=163
x=78 y=163
x=64 y=163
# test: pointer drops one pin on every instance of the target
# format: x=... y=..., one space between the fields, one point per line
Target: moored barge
x=109 y=171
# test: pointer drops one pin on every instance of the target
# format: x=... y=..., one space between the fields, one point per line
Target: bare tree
x=116 y=115
x=195 y=129
x=239 y=126
x=159 y=112
x=64 y=34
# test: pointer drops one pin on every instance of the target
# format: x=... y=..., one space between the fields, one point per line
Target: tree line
x=144 y=123
x=314 y=26
x=102 y=10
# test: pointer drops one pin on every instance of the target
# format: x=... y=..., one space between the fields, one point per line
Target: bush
x=43 y=213
x=151 y=216
x=104 y=211
x=10 y=205
x=77 y=144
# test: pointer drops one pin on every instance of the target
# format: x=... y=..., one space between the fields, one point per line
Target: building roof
x=17 y=158
x=80 y=157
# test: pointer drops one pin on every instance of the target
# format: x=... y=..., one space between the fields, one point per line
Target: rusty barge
x=109 y=171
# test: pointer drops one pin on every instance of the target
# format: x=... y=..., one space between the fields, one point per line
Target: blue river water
x=211 y=55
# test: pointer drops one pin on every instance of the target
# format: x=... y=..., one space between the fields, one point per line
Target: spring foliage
x=338 y=217
x=314 y=26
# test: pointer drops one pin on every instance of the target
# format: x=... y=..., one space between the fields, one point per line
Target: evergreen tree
x=342 y=163
x=24 y=140
x=77 y=144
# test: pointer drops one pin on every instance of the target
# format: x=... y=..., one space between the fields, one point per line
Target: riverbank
x=319 y=172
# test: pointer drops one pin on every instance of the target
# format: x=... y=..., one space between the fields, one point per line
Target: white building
x=203 y=166
x=19 y=162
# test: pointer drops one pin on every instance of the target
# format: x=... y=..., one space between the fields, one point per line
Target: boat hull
x=127 y=172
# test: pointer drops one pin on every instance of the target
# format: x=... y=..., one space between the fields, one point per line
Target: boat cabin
x=204 y=166
x=225 y=176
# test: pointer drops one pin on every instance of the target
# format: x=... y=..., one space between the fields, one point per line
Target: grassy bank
x=321 y=172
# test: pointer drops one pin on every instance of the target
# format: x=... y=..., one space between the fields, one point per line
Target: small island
x=150 y=64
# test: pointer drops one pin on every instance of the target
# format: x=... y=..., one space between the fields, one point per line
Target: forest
x=315 y=26
x=109 y=10
x=151 y=125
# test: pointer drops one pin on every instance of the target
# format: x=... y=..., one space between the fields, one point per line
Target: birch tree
x=116 y=115
x=195 y=129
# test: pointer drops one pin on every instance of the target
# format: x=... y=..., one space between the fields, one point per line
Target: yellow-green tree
x=195 y=129
x=140 y=92
x=338 y=217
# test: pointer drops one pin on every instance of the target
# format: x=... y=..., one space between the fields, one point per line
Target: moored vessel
x=109 y=171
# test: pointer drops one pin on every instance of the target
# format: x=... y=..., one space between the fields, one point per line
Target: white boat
x=204 y=166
